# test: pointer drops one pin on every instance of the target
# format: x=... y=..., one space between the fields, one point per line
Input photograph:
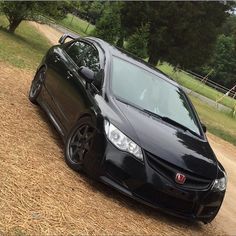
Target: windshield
x=149 y=92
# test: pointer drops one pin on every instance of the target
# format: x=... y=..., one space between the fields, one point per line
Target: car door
x=79 y=99
x=57 y=74
x=72 y=96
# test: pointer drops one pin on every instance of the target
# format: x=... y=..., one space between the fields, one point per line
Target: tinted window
x=84 y=54
x=148 y=91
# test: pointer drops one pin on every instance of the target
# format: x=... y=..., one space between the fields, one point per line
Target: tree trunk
x=153 y=47
x=153 y=59
x=72 y=18
x=14 y=23
x=87 y=28
x=120 y=42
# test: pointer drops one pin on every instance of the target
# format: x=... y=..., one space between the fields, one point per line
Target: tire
x=36 y=85
x=78 y=144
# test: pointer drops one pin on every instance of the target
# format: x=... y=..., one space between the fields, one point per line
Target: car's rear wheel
x=36 y=85
x=79 y=143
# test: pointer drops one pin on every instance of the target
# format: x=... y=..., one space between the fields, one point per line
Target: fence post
x=72 y=18
x=234 y=110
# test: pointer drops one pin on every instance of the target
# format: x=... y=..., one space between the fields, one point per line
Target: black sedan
x=130 y=126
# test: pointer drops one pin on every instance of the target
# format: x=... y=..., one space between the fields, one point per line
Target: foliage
x=18 y=11
x=132 y=16
x=108 y=27
x=182 y=33
x=137 y=42
x=89 y=10
x=224 y=61
x=229 y=26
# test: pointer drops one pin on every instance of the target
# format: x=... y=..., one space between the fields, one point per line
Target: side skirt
x=56 y=123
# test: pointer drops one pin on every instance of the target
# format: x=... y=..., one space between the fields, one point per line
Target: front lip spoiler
x=123 y=190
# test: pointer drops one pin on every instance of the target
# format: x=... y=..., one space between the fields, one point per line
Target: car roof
x=123 y=54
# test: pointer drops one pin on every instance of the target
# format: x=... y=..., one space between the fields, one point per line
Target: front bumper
x=144 y=183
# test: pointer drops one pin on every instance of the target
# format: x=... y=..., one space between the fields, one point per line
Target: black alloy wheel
x=36 y=85
x=79 y=143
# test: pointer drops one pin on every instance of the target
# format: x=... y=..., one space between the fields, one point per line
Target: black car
x=130 y=126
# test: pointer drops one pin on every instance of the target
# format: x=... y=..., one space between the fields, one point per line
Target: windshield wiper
x=152 y=114
x=175 y=123
x=139 y=108
x=163 y=118
x=129 y=103
x=170 y=121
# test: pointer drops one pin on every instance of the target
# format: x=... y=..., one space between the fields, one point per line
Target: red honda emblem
x=180 y=178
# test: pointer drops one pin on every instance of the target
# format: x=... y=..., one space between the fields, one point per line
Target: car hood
x=169 y=143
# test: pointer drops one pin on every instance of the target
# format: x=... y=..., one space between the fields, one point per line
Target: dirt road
x=226 y=154
x=52 y=34
x=40 y=195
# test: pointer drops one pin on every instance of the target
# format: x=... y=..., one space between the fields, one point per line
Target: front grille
x=169 y=171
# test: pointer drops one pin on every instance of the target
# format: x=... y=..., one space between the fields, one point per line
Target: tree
x=224 y=61
x=137 y=42
x=88 y=10
x=132 y=16
x=108 y=27
x=229 y=26
x=223 y=58
x=16 y=12
x=95 y=11
x=182 y=33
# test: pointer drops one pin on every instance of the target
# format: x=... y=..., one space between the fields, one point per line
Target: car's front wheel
x=79 y=143
x=37 y=85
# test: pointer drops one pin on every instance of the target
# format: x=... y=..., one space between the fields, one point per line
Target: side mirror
x=64 y=37
x=87 y=74
x=98 y=79
x=204 y=128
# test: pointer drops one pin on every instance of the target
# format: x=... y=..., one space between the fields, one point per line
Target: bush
x=137 y=43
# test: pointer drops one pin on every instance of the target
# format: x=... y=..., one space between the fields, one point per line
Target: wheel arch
x=96 y=118
x=41 y=67
x=88 y=114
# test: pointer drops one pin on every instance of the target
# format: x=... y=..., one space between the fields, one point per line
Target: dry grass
x=40 y=195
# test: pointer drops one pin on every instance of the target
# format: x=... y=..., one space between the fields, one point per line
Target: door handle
x=57 y=58
x=69 y=75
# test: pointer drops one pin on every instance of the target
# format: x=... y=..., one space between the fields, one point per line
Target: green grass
x=25 y=48
x=195 y=85
x=219 y=123
x=76 y=24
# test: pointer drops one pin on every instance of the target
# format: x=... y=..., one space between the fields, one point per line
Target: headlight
x=121 y=141
x=220 y=184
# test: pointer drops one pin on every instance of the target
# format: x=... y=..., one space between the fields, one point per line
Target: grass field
x=218 y=123
x=25 y=48
x=195 y=85
x=76 y=24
